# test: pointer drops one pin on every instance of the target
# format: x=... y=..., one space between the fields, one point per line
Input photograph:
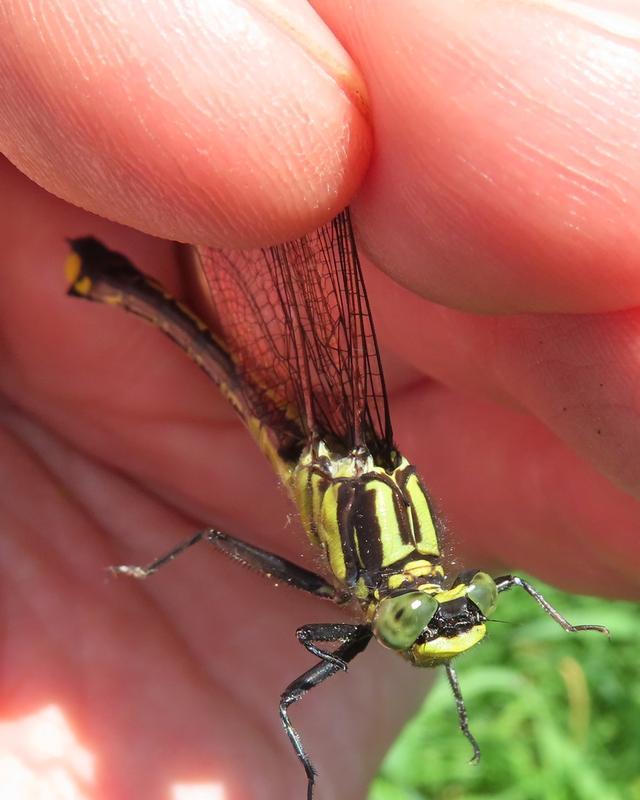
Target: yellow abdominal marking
x=72 y=267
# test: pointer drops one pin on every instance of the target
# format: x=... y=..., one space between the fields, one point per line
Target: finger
x=229 y=124
x=577 y=374
x=511 y=496
x=505 y=175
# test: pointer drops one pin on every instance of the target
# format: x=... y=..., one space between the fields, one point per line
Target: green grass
x=557 y=715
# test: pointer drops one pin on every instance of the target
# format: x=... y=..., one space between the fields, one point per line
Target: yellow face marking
x=72 y=267
x=443 y=649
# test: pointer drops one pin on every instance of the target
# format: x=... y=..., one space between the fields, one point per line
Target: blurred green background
x=557 y=715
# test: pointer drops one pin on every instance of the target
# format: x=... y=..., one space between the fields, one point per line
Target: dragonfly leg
x=355 y=638
x=273 y=567
x=463 y=719
x=507 y=582
x=327 y=632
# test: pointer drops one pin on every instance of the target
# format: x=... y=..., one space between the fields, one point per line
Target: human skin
x=501 y=193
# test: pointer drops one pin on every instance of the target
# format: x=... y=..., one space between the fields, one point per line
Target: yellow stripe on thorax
x=365 y=518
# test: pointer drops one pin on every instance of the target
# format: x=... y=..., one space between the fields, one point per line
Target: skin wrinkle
x=624 y=28
x=201 y=99
x=521 y=145
x=29 y=386
x=598 y=72
x=203 y=670
x=47 y=551
x=581 y=179
x=596 y=161
x=498 y=80
x=32 y=435
x=96 y=165
x=223 y=680
x=584 y=177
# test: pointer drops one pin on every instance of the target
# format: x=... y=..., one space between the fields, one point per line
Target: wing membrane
x=296 y=320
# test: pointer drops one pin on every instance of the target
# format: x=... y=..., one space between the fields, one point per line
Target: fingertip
x=223 y=124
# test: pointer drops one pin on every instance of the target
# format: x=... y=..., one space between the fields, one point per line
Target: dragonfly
x=293 y=348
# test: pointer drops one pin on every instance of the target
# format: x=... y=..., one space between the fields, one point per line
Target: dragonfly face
x=429 y=628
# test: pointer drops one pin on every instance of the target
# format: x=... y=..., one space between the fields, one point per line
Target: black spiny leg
x=463 y=719
x=326 y=632
x=273 y=567
x=507 y=582
x=355 y=638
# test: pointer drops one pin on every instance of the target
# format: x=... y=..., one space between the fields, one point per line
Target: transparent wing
x=297 y=323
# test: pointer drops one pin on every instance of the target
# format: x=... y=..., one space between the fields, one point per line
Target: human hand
x=480 y=195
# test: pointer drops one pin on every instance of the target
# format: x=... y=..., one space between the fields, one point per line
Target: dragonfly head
x=429 y=627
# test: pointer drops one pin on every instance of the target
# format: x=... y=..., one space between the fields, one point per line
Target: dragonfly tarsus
x=140 y=573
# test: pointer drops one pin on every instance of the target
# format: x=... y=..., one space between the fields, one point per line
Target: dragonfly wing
x=295 y=318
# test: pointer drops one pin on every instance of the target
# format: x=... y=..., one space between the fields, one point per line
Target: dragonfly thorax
x=380 y=541
x=373 y=525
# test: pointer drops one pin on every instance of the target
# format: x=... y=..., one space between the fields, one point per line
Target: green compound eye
x=400 y=620
x=484 y=593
